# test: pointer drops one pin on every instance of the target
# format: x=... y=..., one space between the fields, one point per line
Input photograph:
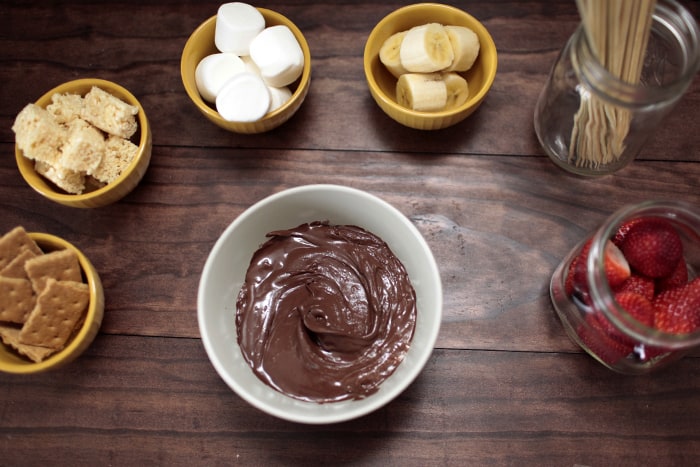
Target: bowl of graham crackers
x=51 y=302
x=85 y=143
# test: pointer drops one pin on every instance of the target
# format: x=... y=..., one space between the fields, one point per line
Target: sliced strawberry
x=678 y=277
x=599 y=343
x=677 y=310
x=652 y=247
x=617 y=270
x=638 y=284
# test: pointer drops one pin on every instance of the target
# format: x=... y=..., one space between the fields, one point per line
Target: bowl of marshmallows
x=247 y=69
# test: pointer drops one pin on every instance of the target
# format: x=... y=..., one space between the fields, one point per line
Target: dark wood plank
x=136 y=401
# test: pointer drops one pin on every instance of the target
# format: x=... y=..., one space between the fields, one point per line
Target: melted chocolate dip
x=326 y=312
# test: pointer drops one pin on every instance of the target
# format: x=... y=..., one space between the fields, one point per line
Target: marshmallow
x=250 y=65
x=244 y=98
x=278 y=97
x=237 y=24
x=278 y=55
x=214 y=71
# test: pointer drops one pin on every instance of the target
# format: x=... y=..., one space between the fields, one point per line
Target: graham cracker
x=61 y=265
x=10 y=336
x=16 y=299
x=58 y=308
x=12 y=244
x=16 y=267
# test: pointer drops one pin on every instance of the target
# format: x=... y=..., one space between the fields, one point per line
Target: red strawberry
x=599 y=343
x=622 y=231
x=648 y=352
x=677 y=310
x=678 y=277
x=652 y=247
x=636 y=306
x=576 y=276
x=638 y=284
x=617 y=269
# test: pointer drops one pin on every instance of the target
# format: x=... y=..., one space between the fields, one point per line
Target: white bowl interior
x=228 y=262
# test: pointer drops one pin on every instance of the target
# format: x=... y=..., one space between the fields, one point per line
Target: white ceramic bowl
x=228 y=262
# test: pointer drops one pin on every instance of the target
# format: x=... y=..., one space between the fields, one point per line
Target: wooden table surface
x=505 y=386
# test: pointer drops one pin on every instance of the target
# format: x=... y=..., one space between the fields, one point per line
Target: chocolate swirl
x=326 y=312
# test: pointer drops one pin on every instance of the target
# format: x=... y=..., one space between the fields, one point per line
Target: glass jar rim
x=600 y=291
x=681 y=25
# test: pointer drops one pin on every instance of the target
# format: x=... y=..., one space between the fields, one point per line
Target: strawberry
x=576 y=275
x=678 y=277
x=646 y=353
x=623 y=229
x=637 y=306
x=638 y=284
x=594 y=337
x=652 y=247
x=617 y=269
x=677 y=310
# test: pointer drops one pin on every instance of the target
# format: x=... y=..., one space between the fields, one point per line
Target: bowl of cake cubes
x=85 y=143
x=51 y=302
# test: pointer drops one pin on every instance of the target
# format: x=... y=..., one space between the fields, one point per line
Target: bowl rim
x=93 y=317
x=300 y=91
x=26 y=165
x=346 y=410
x=471 y=101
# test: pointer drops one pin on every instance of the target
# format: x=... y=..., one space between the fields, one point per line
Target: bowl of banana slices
x=429 y=66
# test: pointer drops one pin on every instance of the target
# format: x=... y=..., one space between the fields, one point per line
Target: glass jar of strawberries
x=629 y=294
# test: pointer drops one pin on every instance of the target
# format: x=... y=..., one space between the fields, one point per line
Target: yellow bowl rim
x=212 y=114
x=45 y=189
x=93 y=315
x=471 y=101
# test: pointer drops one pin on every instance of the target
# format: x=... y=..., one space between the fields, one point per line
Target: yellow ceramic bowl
x=11 y=362
x=112 y=192
x=201 y=44
x=382 y=84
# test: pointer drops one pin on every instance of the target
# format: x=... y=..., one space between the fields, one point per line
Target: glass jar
x=591 y=123
x=588 y=306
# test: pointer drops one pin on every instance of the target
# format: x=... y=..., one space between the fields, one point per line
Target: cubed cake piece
x=109 y=113
x=84 y=148
x=65 y=107
x=38 y=134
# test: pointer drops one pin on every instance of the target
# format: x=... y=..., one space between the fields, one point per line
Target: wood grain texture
x=505 y=385
x=146 y=401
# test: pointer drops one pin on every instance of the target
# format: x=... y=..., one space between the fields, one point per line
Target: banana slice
x=465 y=46
x=423 y=92
x=457 y=89
x=389 y=54
x=426 y=49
